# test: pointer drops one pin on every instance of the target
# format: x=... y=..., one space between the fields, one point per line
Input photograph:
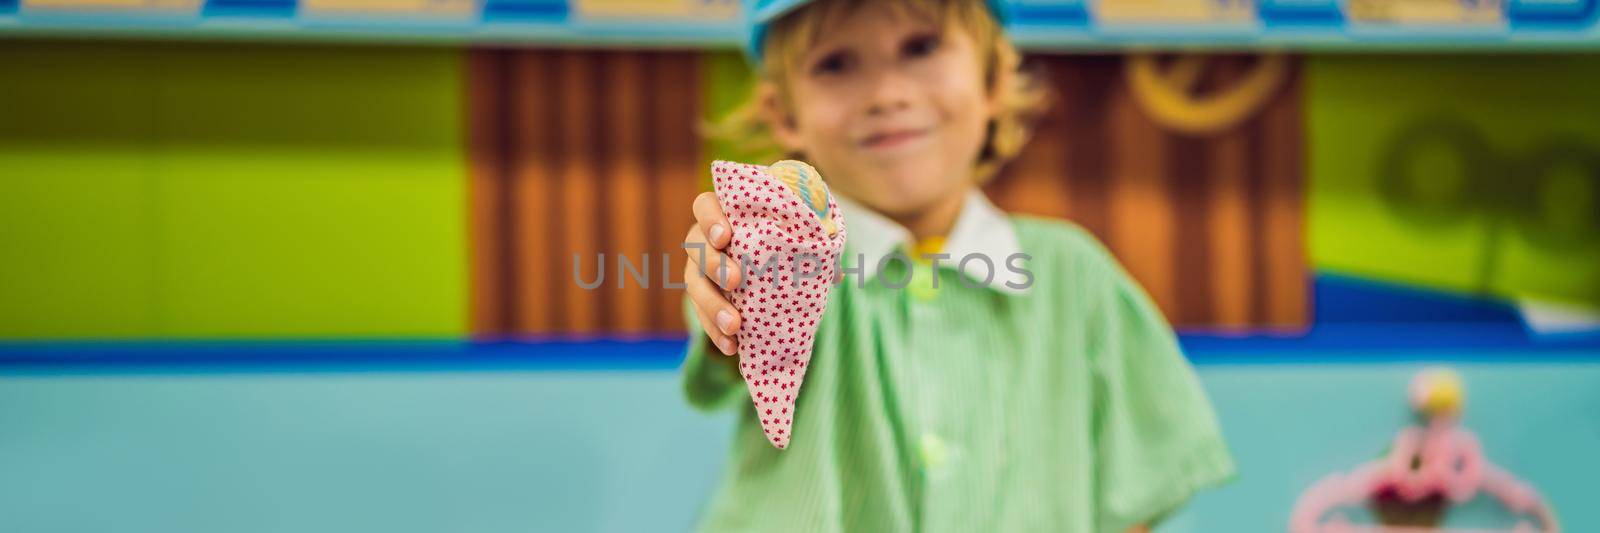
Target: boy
x=1051 y=397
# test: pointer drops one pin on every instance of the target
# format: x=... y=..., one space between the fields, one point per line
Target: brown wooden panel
x=680 y=167
x=578 y=153
x=581 y=310
x=1143 y=214
x=627 y=194
x=1287 y=269
x=487 y=153
x=1228 y=223
x=537 y=158
x=1083 y=91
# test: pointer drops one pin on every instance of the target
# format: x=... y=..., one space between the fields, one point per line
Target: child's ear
x=995 y=99
x=778 y=117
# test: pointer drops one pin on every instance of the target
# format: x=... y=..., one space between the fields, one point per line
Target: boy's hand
x=710 y=273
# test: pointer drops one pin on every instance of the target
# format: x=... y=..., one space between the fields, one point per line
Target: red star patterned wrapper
x=787 y=236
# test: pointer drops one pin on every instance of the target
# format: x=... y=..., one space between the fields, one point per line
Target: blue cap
x=761 y=13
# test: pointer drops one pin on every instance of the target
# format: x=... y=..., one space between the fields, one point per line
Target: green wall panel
x=163 y=190
x=728 y=81
x=1428 y=170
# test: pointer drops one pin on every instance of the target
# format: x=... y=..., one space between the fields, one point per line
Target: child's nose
x=891 y=91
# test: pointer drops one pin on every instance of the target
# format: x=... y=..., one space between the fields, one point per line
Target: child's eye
x=833 y=63
x=919 y=46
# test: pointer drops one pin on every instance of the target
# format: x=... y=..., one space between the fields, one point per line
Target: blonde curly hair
x=1020 y=97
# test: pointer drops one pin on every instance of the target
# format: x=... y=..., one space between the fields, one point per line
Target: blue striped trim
x=1300 y=14
x=511 y=10
x=1543 y=16
x=1342 y=298
x=1076 y=14
x=250 y=8
x=1385 y=343
x=243 y=356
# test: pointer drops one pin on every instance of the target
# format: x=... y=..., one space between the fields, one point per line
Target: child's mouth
x=893 y=139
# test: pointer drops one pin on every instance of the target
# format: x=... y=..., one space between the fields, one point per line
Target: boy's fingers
x=711 y=301
x=716 y=315
x=712 y=222
x=717 y=266
x=722 y=343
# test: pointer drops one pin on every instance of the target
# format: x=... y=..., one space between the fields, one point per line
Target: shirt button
x=935 y=454
x=922 y=282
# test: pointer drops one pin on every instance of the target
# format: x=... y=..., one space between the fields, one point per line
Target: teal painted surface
x=422 y=452
x=1290 y=425
x=618 y=451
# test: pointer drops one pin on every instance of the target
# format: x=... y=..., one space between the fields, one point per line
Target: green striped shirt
x=1065 y=407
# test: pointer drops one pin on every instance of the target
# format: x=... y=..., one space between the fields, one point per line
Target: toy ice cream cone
x=787 y=235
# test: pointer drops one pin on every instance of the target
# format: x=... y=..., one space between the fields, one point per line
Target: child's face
x=890 y=108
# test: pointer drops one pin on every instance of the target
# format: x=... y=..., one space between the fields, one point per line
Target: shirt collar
x=980 y=228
